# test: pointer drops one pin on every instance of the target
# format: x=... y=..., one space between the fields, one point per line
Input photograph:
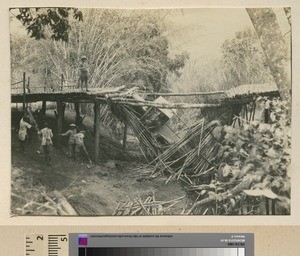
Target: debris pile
x=36 y=201
x=148 y=206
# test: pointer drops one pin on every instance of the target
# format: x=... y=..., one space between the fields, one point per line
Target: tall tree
x=244 y=61
x=272 y=41
x=125 y=47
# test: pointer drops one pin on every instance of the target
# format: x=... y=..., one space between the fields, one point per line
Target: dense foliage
x=258 y=153
x=37 y=19
x=244 y=61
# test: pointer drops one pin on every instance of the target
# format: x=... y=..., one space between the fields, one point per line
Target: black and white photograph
x=146 y=112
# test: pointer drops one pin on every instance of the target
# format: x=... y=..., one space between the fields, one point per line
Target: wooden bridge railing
x=26 y=86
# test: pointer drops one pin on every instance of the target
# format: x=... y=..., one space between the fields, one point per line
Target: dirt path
x=98 y=190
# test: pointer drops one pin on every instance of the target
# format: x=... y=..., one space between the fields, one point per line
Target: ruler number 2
x=39 y=238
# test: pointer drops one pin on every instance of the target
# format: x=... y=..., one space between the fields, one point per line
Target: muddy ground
x=121 y=176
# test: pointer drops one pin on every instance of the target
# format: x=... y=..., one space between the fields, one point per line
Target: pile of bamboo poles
x=193 y=155
x=190 y=157
x=150 y=147
x=148 y=206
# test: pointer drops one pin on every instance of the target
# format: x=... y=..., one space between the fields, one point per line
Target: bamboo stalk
x=133 y=102
x=184 y=93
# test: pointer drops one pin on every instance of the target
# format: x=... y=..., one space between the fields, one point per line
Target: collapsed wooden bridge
x=134 y=98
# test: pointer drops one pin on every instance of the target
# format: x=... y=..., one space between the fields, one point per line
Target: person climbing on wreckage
x=72 y=140
x=47 y=136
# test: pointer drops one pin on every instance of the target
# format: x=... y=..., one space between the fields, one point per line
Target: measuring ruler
x=47 y=245
x=139 y=244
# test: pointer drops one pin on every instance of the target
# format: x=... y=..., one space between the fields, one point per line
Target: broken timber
x=119 y=95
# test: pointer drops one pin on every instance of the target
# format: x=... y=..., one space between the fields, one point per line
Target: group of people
x=76 y=139
x=45 y=133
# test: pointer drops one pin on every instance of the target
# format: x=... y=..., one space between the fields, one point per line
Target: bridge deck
x=239 y=95
x=71 y=95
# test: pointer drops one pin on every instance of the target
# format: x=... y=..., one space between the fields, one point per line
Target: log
x=184 y=93
x=132 y=102
x=64 y=204
x=223 y=196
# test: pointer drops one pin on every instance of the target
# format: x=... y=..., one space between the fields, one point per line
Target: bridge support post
x=78 y=118
x=97 y=130
x=24 y=93
x=43 y=110
x=60 y=120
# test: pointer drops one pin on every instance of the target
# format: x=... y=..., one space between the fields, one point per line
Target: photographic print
x=150 y=111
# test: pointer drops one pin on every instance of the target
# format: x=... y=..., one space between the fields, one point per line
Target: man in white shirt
x=47 y=136
x=79 y=139
x=23 y=136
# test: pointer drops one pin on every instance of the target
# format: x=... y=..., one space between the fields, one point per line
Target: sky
x=205 y=30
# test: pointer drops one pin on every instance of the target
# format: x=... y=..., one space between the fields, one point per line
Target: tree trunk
x=274 y=47
x=287 y=11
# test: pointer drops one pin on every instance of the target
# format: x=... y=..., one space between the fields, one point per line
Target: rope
x=75 y=180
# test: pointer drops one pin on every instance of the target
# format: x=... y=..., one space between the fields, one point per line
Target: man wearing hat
x=72 y=142
x=83 y=72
